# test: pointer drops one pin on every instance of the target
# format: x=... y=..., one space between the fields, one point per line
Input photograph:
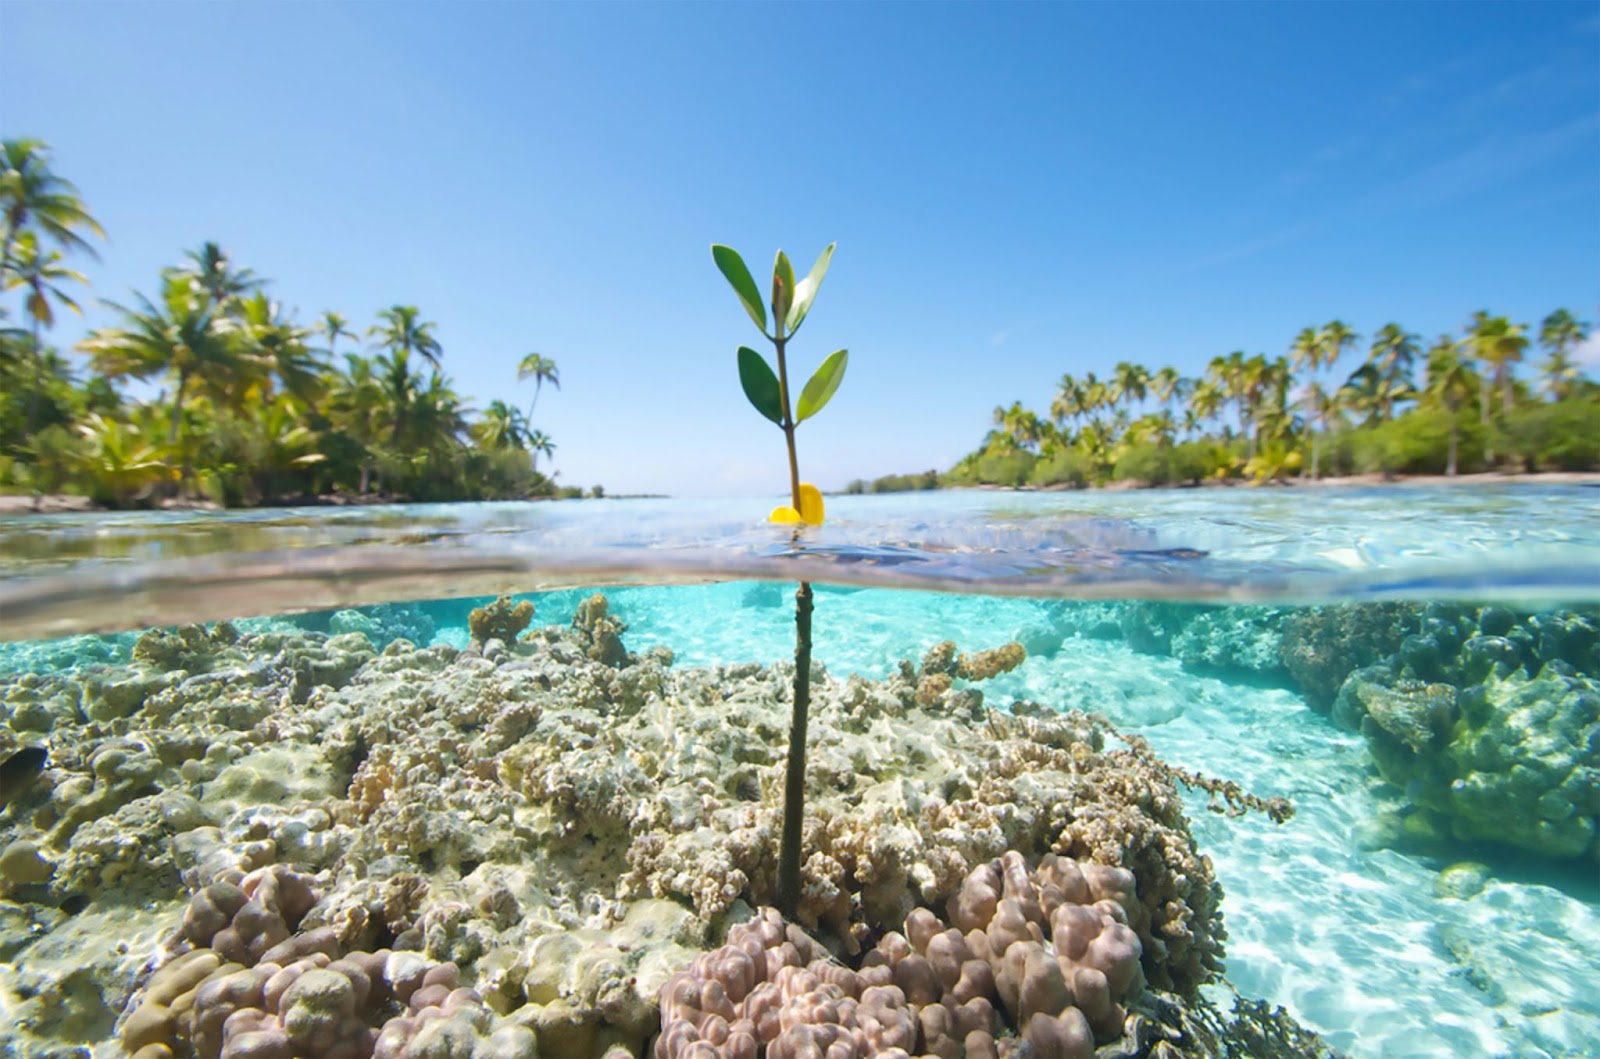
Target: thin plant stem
x=794 y=780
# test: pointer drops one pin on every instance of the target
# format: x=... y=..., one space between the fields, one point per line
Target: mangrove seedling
x=769 y=393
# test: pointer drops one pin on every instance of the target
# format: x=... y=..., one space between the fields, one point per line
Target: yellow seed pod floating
x=811 y=510
x=785 y=514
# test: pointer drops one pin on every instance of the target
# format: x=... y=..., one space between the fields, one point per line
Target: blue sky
x=1017 y=191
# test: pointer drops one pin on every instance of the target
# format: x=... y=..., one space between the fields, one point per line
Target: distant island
x=254 y=406
x=1459 y=407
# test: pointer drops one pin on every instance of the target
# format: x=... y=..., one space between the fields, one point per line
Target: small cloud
x=1588 y=351
x=999 y=337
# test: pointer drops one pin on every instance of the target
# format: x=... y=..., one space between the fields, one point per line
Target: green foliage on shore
x=207 y=389
x=1459 y=407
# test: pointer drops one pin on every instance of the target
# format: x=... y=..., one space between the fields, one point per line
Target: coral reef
x=1487 y=721
x=1239 y=642
x=251 y=987
x=189 y=647
x=1047 y=955
x=1323 y=645
x=384 y=624
x=564 y=822
x=1037 y=963
x=501 y=620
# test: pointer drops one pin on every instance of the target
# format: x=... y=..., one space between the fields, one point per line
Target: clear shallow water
x=1349 y=936
x=1306 y=545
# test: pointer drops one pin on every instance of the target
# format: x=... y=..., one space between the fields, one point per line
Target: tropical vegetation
x=1326 y=406
x=207 y=389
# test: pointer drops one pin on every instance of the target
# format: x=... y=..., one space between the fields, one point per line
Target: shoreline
x=65 y=503
x=1343 y=481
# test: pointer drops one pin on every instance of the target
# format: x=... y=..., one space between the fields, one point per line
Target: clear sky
x=1017 y=191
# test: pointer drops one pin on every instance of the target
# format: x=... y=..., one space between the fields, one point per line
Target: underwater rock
x=1321 y=646
x=20 y=770
x=501 y=620
x=1039 y=639
x=1461 y=881
x=1501 y=747
x=21 y=863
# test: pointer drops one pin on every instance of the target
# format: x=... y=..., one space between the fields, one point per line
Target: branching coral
x=501 y=620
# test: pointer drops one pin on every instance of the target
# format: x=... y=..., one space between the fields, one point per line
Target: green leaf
x=820 y=389
x=806 y=292
x=733 y=269
x=782 y=287
x=760 y=385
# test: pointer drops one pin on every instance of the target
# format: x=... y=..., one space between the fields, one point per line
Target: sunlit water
x=1348 y=936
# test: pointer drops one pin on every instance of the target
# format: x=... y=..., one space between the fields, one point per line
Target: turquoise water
x=1341 y=914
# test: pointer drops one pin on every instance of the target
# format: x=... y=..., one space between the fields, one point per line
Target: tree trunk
x=38 y=381
x=177 y=408
x=1483 y=417
x=1450 y=468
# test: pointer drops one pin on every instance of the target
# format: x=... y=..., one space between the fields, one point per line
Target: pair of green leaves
x=761 y=385
x=790 y=302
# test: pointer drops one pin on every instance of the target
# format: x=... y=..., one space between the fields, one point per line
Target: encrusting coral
x=1487 y=721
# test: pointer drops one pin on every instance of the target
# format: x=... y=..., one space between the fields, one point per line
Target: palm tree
x=40 y=273
x=539 y=441
x=1498 y=342
x=1130 y=383
x=1019 y=424
x=401 y=331
x=1393 y=351
x=210 y=269
x=541 y=370
x=1560 y=372
x=1306 y=352
x=1369 y=392
x=282 y=344
x=1560 y=333
x=33 y=197
x=1166 y=384
x=355 y=401
x=1336 y=339
x=503 y=426
x=1449 y=384
x=185 y=337
x=334 y=327
x=1319 y=406
x=1067 y=405
x=1206 y=400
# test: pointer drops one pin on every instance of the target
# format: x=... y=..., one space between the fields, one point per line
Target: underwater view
x=1197 y=773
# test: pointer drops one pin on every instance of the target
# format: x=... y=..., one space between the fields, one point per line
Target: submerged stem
x=794 y=780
